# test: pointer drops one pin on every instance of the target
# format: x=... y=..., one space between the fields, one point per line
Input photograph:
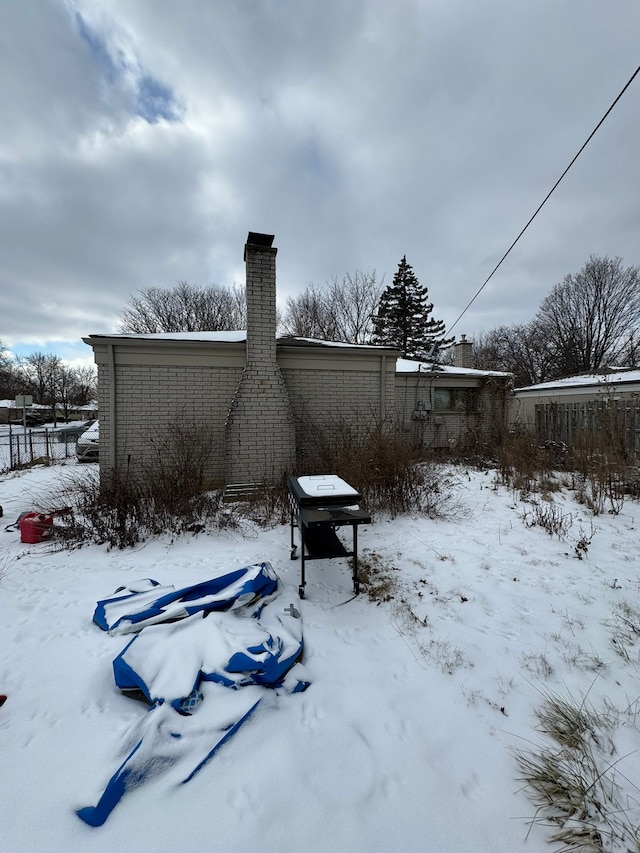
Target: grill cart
x=319 y=505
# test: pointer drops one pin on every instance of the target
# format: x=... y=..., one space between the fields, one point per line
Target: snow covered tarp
x=194 y=649
x=132 y=608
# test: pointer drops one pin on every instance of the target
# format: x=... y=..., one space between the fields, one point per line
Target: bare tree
x=307 y=315
x=62 y=390
x=353 y=302
x=589 y=320
x=83 y=385
x=487 y=353
x=53 y=383
x=9 y=379
x=518 y=349
x=527 y=354
x=185 y=308
x=38 y=375
x=631 y=350
x=342 y=310
x=590 y=316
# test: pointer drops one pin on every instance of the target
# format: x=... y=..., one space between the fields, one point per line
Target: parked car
x=87 y=449
x=72 y=430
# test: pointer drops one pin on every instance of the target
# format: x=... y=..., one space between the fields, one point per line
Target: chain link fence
x=20 y=448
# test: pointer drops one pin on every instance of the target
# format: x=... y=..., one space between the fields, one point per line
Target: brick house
x=261 y=395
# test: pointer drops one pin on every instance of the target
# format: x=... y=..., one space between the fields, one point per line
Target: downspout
x=112 y=403
x=383 y=389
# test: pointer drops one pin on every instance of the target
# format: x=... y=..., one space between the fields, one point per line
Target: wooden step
x=235 y=492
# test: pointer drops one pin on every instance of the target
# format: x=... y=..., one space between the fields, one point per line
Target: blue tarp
x=148 y=603
x=191 y=646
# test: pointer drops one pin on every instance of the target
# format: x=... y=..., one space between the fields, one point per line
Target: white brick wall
x=149 y=398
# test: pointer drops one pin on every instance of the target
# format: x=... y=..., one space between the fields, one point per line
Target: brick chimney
x=462 y=355
x=260 y=431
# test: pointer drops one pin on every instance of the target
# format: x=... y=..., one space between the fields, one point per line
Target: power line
x=546 y=198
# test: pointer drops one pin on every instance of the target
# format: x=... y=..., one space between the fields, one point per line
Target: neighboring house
x=10 y=413
x=571 y=407
x=262 y=398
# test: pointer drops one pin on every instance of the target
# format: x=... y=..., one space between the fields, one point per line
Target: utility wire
x=546 y=198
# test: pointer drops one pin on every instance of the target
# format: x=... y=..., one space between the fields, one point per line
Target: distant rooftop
x=615 y=376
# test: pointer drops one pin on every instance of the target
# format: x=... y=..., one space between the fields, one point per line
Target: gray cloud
x=140 y=143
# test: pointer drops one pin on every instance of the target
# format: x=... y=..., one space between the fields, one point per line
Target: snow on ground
x=404 y=740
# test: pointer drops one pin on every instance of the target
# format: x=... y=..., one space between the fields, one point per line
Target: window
x=442 y=398
x=455 y=399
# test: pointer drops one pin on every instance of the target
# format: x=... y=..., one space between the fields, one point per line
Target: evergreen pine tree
x=403 y=320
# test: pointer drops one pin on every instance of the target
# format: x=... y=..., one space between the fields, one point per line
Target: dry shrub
x=182 y=452
x=601 y=468
x=382 y=465
x=523 y=464
x=6 y=563
x=597 y=461
x=625 y=630
x=600 y=460
x=548 y=516
x=601 y=456
x=165 y=494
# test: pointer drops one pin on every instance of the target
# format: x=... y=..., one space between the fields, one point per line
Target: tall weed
x=575 y=783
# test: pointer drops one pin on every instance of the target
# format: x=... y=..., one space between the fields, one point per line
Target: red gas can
x=35 y=527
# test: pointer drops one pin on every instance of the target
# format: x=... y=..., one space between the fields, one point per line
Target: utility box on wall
x=422 y=411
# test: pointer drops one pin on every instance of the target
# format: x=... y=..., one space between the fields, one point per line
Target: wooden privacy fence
x=603 y=423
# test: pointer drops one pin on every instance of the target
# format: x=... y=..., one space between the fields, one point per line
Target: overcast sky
x=140 y=140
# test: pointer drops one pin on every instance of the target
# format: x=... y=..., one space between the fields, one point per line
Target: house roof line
x=239 y=336
x=231 y=336
x=587 y=380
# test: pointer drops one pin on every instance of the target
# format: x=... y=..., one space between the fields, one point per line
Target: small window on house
x=455 y=399
x=442 y=399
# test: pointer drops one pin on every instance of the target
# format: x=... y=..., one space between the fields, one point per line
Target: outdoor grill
x=319 y=505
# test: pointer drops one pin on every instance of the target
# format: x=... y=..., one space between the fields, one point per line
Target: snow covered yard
x=419 y=697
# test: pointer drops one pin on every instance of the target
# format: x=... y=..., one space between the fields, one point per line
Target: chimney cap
x=259 y=241
x=256 y=239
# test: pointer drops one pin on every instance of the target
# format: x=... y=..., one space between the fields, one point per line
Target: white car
x=87 y=449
